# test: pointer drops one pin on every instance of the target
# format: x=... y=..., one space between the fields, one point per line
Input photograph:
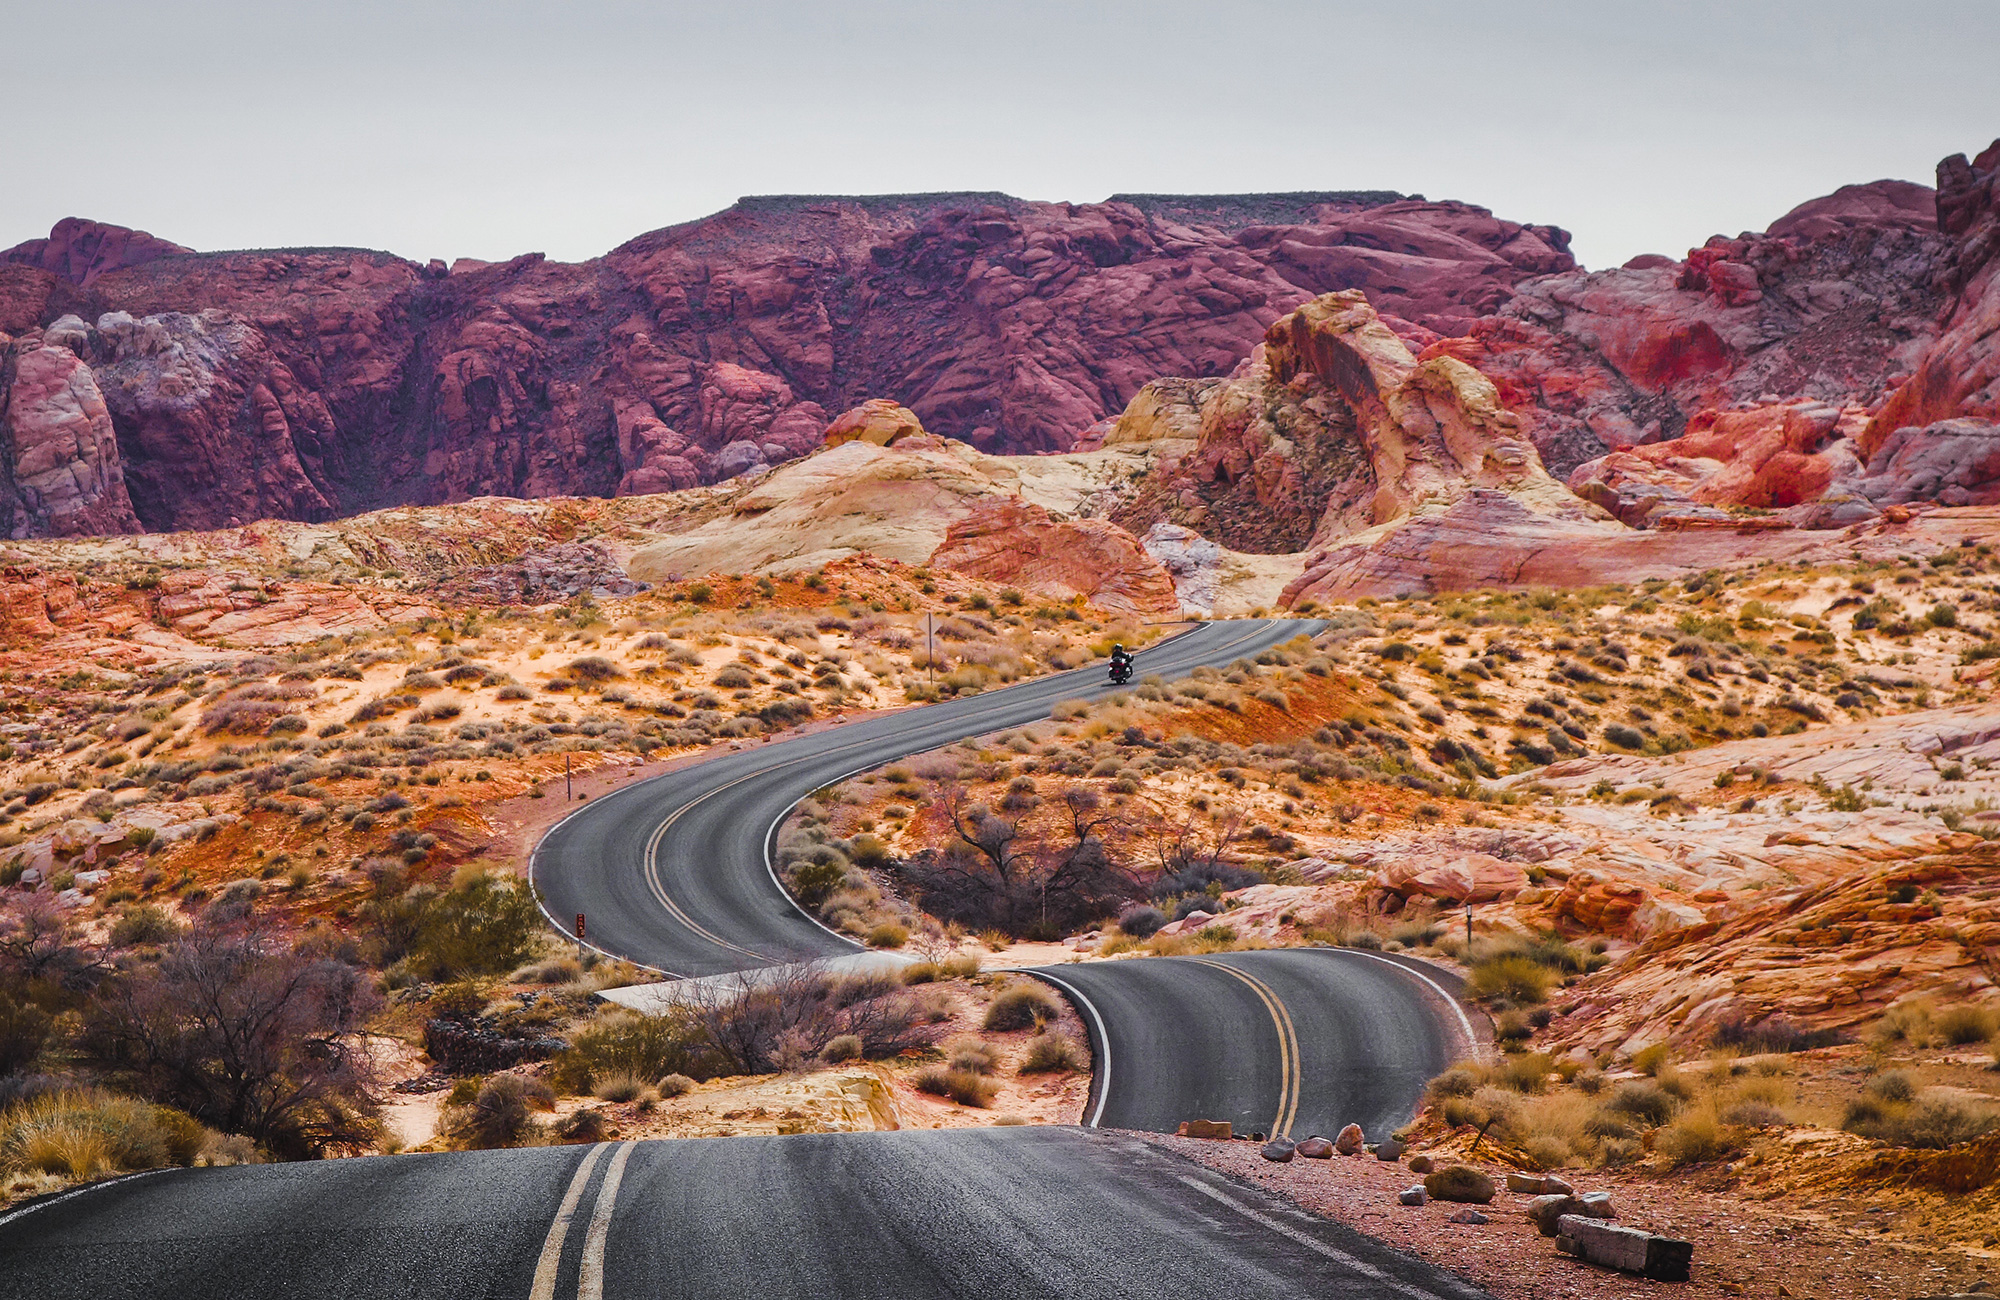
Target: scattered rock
x=1204 y=1128
x=1547 y=1209
x=1460 y=1183
x=1422 y=1164
x=1414 y=1196
x=1598 y=1205
x=1316 y=1148
x=1349 y=1140
x=1538 y=1184
x=1279 y=1150
x=1388 y=1150
x=1469 y=1216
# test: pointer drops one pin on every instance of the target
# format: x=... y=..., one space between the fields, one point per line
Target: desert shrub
x=1525 y=1073
x=145 y=923
x=248 y=1034
x=1752 y=1114
x=961 y=1086
x=957 y=967
x=501 y=1114
x=24 y=1029
x=1643 y=1101
x=889 y=934
x=1963 y=1023
x=1048 y=1053
x=1930 y=1123
x=674 y=1085
x=482 y=925
x=586 y=1125
x=592 y=668
x=1773 y=1034
x=1651 y=1058
x=84 y=1134
x=624 y=1044
x=618 y=1087
x=1459 y=1081
x=841 y=1047
x=555 y=970
x=1698 y=1138
x=1511 y=976
x=1021 y=1006
x=971 y=1054
x=1625 y=737
x=1141 y=922
x=1895 y=1086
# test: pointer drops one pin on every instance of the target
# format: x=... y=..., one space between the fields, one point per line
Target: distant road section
x=672 y=873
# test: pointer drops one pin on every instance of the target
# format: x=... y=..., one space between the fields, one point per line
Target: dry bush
x=974 y=1055
x=841 y=1047
x=674 y=1085
x=1699 y=1137
x=500 y=1114
x=962 y=1086
x=1054 y=1052
x=1021 y=1006
x=618 y=1088
x=957 y=967
x=1515 y=978
x=90 y=1133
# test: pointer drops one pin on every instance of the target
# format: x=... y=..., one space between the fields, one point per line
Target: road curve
x=955 y=1213
x=672 y=872
x=1286 y=1042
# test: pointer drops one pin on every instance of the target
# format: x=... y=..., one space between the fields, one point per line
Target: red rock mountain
x=311 y=383
x=1844 y=361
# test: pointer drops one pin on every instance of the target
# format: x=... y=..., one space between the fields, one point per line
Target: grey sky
x=440 y=128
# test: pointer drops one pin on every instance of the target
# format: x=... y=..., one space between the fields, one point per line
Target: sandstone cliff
x=312 y=383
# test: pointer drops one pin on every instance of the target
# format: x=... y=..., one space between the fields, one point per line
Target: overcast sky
x=449 y=128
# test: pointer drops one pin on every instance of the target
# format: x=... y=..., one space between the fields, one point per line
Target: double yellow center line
x=1290 y=1066
x=590 y=1270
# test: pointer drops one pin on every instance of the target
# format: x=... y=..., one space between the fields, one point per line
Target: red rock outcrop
x=1961 y=375
x=308 y=383
x=1006 y=539
x=64 y=476
x=80 y=250
x=1331 y=429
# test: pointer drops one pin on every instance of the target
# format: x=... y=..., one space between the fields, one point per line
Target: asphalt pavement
x=673 y=873
x=981 y=1214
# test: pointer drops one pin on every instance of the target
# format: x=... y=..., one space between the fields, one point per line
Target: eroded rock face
x=60 y=451
x=1006 y=539
x=333 y=381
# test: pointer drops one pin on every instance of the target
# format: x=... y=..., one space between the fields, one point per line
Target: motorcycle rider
x=1121 y=663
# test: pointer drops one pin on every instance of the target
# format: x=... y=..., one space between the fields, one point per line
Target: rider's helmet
x=1117 y=651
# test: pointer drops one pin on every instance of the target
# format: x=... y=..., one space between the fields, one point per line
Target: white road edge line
x=73 y=1193
x=590 y=1277
x=552 y=1246
x=1312 y=1243
x=1102 y=1067
x=1464 y=1021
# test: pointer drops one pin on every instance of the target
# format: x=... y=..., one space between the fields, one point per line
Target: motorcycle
x=1121 y=671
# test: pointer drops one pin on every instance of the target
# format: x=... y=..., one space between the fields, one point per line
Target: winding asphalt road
x=673 y=872
x=981 y=1214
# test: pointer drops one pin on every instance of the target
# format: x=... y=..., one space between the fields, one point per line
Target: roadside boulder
x=1279 y=1150
x=1316 y=1148
x=1460 y=1183
x=1544 y=1211
x=1538 y=1185
x=1348 y=1141
x=1413 y=1196
x=1389 y=1150
x=1422 y=1164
